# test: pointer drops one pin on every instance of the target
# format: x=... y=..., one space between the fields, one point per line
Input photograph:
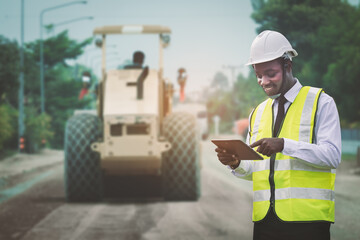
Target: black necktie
x=280 y=114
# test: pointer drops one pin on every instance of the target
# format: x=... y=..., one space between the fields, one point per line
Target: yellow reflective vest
x=298 y=191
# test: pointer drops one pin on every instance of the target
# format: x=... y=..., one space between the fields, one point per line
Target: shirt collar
x=291 y=94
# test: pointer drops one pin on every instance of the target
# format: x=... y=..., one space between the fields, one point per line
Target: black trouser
x=272 y=228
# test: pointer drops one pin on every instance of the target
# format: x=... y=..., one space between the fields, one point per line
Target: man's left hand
x=269 y=146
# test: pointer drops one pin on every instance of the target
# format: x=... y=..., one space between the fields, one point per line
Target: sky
x=207 y=35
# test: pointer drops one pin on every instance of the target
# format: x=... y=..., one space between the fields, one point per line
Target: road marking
x=22 y=187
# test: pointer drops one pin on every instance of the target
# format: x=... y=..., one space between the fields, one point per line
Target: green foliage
x=62 y=82
x=248 y=94
x=9 y=70
x=62 y=87
x=343 y=72
x=58 y=48
x=61 y=102
x=236 y=103
x=37 y=128
x=220 y=81
x=7 y=119
x=9 y=82
x=326 y=36
x=220 y=102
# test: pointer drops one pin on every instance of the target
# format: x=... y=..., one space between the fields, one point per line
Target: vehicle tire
x=83 y=175
x=180 y=167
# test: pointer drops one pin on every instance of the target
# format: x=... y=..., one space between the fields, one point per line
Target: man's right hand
x=227 y=158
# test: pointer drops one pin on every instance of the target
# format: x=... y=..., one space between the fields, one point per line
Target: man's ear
x=287 y=65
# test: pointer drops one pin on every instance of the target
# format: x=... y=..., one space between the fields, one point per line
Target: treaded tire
x=180 y=167
x=83 y=176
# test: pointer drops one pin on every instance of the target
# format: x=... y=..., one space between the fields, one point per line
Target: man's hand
x=227 y=158
x=269 y=146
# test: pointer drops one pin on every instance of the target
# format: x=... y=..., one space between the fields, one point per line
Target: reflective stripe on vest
x=302 y=192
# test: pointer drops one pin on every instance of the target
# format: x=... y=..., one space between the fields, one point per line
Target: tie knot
x=282 y=100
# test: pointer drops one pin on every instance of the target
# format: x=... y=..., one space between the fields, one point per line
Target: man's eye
x=271 y=75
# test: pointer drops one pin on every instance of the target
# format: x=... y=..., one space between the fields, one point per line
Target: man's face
x=269 y=76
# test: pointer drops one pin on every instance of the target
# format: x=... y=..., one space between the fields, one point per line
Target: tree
x=62 y=82
x=58 y=48
x=37 y=128
x=62 y=86
x=8 y=115
x=9 y=82
x=220 y=81
x=325 y=34
x=62 y=100
x=219 y=102
x=233 y=104
x=341 y=78
x=9 y=71
x=248 y=94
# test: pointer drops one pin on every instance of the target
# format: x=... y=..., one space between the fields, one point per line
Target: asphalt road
x=40 y=212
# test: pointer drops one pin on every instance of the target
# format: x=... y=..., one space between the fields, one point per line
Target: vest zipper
x=272 y=182
x=272 y=167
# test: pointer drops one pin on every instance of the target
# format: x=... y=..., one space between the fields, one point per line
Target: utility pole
x=21 y=145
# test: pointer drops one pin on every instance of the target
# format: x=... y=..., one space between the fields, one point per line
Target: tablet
x=238 y=147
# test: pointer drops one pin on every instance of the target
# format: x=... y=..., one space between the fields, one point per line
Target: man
x=138 y=60
x=86 y=77
x=297 y=131
x=182 y=78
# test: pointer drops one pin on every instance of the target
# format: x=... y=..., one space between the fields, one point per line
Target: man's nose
x=264 y=81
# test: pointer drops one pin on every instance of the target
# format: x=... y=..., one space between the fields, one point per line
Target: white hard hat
x=270 y=45
x=86 y=79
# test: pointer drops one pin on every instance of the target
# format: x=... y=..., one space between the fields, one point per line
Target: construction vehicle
x=199 y=111
x=133 y=132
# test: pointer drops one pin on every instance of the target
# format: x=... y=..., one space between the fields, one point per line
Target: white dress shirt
x=325 y=152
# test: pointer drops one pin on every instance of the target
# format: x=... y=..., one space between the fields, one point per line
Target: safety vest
x=299 y=191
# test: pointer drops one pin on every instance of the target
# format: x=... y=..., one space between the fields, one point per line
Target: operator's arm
x=326 y=150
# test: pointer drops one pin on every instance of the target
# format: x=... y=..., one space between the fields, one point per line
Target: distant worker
x=182 y=77
x=86 y=77
x=138 y=61
x=297 y=130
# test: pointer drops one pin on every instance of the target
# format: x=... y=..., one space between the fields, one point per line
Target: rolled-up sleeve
x=244 y=170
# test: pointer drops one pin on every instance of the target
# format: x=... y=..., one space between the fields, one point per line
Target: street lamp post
x=21 y=132
x=42 y=48
x=51 y=26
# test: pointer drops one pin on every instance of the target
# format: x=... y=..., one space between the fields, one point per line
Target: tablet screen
x=238 y=147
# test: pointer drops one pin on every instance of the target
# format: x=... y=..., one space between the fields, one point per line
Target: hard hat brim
x=291 y=52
